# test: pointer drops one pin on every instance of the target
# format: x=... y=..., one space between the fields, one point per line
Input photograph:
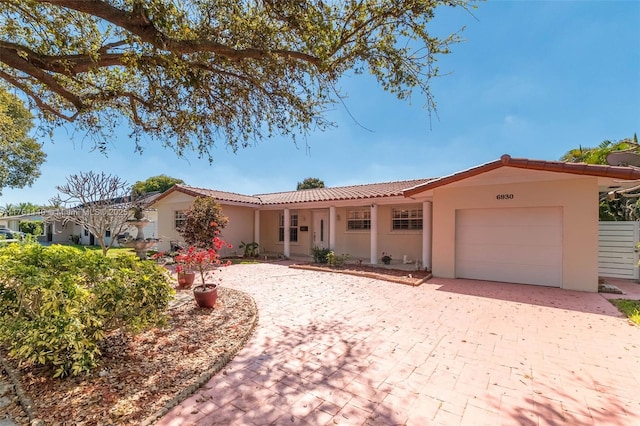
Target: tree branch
x=39 y=102
x=64 y=64
x=138 y=23
x=14 y=60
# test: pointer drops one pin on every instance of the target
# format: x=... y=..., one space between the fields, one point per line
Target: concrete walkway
x=338 y=349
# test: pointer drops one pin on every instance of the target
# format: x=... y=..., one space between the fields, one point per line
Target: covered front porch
x=364 y=232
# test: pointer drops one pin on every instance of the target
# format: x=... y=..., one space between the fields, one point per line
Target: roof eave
x=597 y=170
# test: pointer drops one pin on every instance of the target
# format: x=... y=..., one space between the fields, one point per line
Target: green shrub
x=336 y=260
x=320 y=254
x=33 y=227
x=60 y=302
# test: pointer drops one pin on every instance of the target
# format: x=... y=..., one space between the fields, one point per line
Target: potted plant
x=386 y=258
x=205 y=261
x=185 y=260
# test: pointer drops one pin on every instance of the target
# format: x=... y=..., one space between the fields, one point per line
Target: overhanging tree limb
x=194 y=73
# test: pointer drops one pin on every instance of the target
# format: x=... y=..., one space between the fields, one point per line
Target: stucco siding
x=397 y=243
x=166 y=220
x=577 y=198
x=269 y=232
x=239 y=228
x=357 y=243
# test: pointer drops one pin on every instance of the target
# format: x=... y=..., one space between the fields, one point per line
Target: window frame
x=293 y=227
x=408 y=219
x=359 y=220
x=178 y=216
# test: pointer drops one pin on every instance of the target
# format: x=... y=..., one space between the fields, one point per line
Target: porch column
x=287 y=232
x=332 y=228
x=374 y=234
x=427 y=233
x=256 y=226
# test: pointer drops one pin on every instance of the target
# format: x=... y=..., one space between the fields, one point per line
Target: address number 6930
x=504 y=197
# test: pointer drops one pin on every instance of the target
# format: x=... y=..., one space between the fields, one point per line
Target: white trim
x=332 y=228
x=287 y=233
x=427 y=234
x=374 y=234
x=256 y=226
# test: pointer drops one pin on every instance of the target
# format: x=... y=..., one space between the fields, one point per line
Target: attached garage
x=518 y=245
x=518 y=220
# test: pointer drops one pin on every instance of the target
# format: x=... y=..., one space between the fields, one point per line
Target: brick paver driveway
x=339 y=349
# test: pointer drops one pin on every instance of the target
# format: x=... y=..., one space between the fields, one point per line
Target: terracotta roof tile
x=218 y=195
x=615 y=172
x=354 y=192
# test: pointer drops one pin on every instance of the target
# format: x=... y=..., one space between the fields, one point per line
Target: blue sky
x=533 y=79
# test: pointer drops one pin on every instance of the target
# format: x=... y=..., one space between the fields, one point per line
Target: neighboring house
x=512 y=220
x=13 y=222
x=58 y=232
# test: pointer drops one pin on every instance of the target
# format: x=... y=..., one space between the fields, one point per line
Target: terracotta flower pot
x=185 y=279
x=206 y=295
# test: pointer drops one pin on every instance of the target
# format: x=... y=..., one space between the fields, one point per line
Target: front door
x=321 y=230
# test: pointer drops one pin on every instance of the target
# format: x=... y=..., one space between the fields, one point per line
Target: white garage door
x=518 y=245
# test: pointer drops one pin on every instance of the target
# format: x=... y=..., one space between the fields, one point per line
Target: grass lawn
x=631 y=308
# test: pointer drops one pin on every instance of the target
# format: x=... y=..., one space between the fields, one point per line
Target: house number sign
x=504 y=197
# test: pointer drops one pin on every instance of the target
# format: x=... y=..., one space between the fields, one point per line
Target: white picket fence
x=618 y=250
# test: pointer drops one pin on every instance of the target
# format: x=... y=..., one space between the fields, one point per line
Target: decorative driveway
x=340 y=349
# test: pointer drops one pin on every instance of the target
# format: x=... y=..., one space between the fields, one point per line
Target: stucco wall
x=269 y=232
x=357 y=243
x=239 y=228
x=579 y=201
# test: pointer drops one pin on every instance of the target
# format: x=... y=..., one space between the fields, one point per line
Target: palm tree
x=598 y=155
x=7 y=209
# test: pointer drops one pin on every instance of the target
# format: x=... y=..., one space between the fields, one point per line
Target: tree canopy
x=310 y=183
x=195 y=72
x=620 y=205
x=158 y=183
x=98 y=202
x=20 y=155
x=598 y=155
x=203 y=222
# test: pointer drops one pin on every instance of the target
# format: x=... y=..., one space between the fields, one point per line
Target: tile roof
x=615 y=172
x=218 y=195
x=405 y=188
x=354 y=192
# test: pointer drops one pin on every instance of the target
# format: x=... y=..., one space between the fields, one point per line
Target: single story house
x=511 y=220
x=61 y=232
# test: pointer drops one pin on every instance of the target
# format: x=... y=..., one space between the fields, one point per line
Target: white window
x=293 y=228
x=179 y=219
x=359 y=219
x=406 y=219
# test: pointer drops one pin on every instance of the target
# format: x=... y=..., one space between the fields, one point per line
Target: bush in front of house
x=59 y=303
x=320 y=255
x=33 y=227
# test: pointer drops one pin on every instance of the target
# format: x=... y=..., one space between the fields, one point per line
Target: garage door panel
x=534 y=235
x=511 y=254
x=483 y=271
x=521 y=245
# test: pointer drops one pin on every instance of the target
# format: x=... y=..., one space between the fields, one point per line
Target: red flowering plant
x=185 y=260
x=203 y=260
